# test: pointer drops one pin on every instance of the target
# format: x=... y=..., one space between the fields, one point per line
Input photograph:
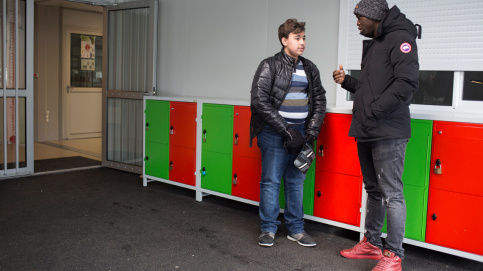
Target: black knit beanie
x=372 y=9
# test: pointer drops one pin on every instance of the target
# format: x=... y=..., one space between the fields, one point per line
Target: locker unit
x=247 y=162
x=182 y=142
x=455 y=200
x=216 y=148
x=157 y=139
x=416 y=178
x=338 y=180
x=338 y=197
x=443 y=192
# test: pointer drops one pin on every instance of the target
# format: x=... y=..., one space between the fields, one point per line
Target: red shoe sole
x=350 y=256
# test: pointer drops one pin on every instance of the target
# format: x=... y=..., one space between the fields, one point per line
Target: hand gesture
x=339 y=75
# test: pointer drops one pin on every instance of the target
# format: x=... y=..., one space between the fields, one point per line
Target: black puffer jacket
x=388 y=80
x=269 y=88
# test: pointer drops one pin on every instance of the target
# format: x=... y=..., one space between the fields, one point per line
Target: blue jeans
x=278 y=163
x=382 y=164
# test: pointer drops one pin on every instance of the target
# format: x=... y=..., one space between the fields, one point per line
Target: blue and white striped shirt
x=295 y=107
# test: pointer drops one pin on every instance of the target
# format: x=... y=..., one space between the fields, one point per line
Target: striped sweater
x=295 y=106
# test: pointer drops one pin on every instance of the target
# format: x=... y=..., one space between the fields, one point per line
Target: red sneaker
x=389 y=262
x=363 y=250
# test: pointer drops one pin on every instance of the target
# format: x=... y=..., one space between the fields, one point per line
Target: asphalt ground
x=104 y=219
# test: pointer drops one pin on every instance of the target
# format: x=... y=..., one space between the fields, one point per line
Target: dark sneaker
x=388 y=262
x=266 y=239
x=303 y=239
x=363 y=250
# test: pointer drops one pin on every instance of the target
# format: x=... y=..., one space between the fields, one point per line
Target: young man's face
x=367 y=27
x=294 y=46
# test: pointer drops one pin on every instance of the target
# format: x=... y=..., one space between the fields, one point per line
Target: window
x=473 y=86
x=435 y=88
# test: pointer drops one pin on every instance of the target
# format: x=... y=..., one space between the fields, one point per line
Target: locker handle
x=204 y=135
x=434 y=216
x=146 y=158
x=147 y=126
x=321 y=150
x=171 y=165
x=203 y=171
x=236 y=139
x=235 y=179
x=319 y=194
x=171 y=130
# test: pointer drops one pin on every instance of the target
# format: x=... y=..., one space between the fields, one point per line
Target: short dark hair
x=290 y=26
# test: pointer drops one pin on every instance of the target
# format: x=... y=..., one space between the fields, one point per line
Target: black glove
x=309 y=139
x=293 y=141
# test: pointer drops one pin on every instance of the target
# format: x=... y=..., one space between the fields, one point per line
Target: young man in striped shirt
x=288 y=106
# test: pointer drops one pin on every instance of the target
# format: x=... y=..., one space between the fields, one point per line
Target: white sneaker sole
x=302 y=244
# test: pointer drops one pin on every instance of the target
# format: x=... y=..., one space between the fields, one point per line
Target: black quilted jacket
x=269 y=88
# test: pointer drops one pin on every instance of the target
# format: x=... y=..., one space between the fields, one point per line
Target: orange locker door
x=338 y=197
x=339 y=150
x=241 y=134
x=455 y=221
x=182 y=165
x=182 y=127
x=458 y=150
x=246 y=174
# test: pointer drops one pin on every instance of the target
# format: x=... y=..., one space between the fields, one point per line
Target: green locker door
x=416 y=178
x=216 y=171
x=156 y=161
x=217 y=131
x=418 y=153
x=157 y=139
x=309 y=186
x=416 y=205
x=157 y=121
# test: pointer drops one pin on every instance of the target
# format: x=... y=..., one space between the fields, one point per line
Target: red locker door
x=339 y=150
x=246 y=174
x=459 y=149
x=455 y=221
x=182 y=127
x=241 y=134
x=182 y=164
x=338 y=197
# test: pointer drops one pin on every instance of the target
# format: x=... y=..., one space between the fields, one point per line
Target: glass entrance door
x=131 y=45
x=16 y=88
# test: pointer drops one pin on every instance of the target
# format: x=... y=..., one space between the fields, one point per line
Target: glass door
x=16 y=88
x=131 y=53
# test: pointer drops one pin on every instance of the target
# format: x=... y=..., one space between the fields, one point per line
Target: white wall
x=211 y=48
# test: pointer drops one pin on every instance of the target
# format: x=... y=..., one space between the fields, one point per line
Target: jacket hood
x=395 y=20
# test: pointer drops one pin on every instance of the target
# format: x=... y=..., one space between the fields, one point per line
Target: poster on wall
x=88 y=50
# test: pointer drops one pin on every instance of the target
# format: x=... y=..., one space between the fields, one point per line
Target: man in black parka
x=381 y=124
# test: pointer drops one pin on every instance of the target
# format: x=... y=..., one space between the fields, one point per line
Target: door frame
x=67 y=31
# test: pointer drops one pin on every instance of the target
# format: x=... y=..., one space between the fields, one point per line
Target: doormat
x=64 y=163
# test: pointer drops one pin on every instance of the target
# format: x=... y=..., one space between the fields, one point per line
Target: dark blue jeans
x=382 y=165
x=278 y=163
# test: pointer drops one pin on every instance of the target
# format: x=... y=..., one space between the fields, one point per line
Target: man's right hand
x=339 y=75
